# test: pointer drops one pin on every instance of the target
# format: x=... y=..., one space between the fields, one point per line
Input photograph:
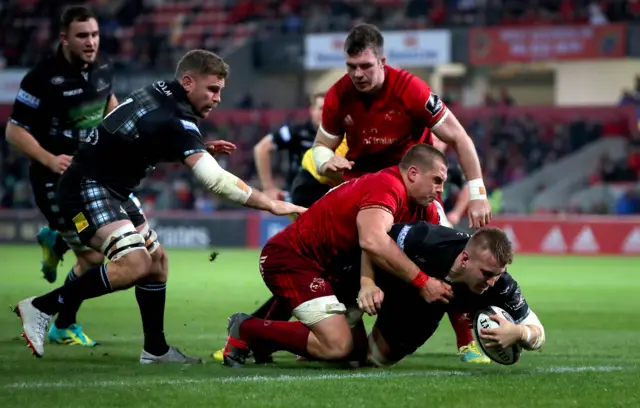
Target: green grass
x=589 y=306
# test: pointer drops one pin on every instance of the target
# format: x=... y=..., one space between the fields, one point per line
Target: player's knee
x=88 y=259
x=159 y=271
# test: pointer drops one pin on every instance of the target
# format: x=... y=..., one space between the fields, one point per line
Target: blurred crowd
x=151 y=33
x=510 y=147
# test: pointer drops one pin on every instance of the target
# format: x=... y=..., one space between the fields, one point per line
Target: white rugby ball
x=508 y=356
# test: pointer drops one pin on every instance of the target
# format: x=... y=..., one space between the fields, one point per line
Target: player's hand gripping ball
x=486 y=319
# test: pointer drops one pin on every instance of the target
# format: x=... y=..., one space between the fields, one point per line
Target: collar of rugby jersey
x=71 y=69
x=182 y=100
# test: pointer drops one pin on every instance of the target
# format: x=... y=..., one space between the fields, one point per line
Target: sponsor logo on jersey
x=190 y=126
x=73 y=92
x=80 y=222
x=28 y=99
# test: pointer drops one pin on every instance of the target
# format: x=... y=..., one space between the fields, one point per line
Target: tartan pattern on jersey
x=123 y=120
x=101 y=208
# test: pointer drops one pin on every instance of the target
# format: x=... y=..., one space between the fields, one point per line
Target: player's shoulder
x=340 y=90
x=45 y=71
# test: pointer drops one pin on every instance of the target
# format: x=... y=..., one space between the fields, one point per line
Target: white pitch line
x=138 y=382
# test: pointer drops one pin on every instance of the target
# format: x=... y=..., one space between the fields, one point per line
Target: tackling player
x=60 y=103
x=302 y=265
x=154 y=124
x=382 y=111
x=474 y=266
x=306 y=188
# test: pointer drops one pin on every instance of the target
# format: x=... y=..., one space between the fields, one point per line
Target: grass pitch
x=589 y=306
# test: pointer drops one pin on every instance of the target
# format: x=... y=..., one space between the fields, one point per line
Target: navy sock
x=151 y=300
x=93 y=283
x=68 y=311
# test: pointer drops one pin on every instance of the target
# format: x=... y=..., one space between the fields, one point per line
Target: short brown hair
x=423 y=156
x=202 y=62
x=363 y=37
x=495 y=241
x=314 y=97
x=75 y=13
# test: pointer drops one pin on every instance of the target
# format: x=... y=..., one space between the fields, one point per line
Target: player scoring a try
x=302 y=265
x=382 y=111
x=154 y=124
x=474 y=266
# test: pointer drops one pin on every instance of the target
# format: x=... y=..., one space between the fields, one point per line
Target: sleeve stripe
x=441 y=120
x=329 y=135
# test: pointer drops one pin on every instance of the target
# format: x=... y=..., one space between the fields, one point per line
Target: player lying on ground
x=304 y=267
x=154 y=124
x=474 y=267
x=60 y=103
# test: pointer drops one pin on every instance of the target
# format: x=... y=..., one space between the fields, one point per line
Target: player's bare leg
x=130 y=262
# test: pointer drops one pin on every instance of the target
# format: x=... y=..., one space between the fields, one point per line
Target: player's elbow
x=370 y=242
x=265 y=145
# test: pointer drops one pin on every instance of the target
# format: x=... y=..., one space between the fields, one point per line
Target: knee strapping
x=150 y=239
x=121 y=242
x=315 y=310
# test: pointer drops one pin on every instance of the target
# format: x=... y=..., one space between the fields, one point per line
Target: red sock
x=275 y=335
x=461 y=325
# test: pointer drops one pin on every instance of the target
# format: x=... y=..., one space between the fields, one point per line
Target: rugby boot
x=258 y=358
x=72 y=336
x=50 y=260
x=34 y=325
x=173 y=356
x=235 y=351
x=471 y=353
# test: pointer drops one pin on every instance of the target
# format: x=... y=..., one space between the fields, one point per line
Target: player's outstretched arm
x=453 y=133
x=222 y=183
x=24 y=141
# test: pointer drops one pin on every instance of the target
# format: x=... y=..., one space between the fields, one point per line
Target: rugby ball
x=508 y=356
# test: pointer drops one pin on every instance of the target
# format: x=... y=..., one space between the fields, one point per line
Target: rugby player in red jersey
x=303 y=265
x=382 y=111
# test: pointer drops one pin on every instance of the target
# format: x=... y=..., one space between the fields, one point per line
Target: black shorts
x=406 y=321
x=87 y=206
x=306 y=190
x=46 y=198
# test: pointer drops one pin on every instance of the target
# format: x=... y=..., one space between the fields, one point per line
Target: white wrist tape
x=532 y=320
x=477 y=191
x=321 y=155
x=219 y=181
